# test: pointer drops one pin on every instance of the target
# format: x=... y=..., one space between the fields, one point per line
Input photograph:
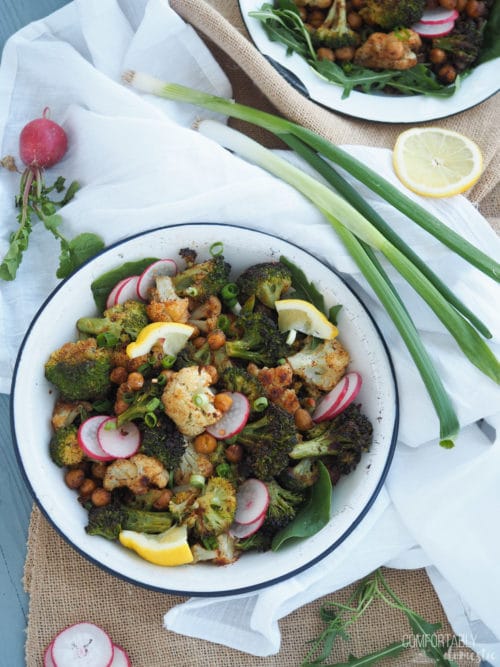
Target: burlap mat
x=64 y=588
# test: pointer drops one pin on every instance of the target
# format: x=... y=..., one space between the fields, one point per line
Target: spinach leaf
x=491 y=38
x=313 y=516
x=102 y=286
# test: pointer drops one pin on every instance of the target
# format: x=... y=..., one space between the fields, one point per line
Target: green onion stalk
x=282 y=127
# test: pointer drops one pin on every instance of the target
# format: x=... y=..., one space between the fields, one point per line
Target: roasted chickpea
x=447 y=74
x=357 y=4
x=345 y=53
x=87 y=487
x=437 y=56
x=223 y=401
x=205 y=443
x=461 y=5
x=135 y=381
x=199 y=341
x=216 y=339
x=315 y=18
x=475 y=9
x=74 y=478
x=100 y=497
x=234 y=453
x=325 y=54
x=354 y=20
x=303 y=14
x=161 y=503
x=118 y=375
x=448 y=4
x=303 y=420
x=99 y=469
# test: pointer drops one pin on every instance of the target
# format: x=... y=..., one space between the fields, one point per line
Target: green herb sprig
x=36 y=198
x=338 y=617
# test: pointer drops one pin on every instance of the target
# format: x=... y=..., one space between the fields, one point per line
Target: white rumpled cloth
x=142 y=166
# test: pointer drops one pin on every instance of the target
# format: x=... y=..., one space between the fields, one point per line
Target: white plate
x=477 y=87
x=33 y=400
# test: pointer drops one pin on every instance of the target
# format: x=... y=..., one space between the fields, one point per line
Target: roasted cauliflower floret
x=394 y=50
x=206 y=315
x=164 y=303
x=321 y=366
x=138 y=473
x=189 y=401
x=65 y=412
x=192 y=463
x=277 y=383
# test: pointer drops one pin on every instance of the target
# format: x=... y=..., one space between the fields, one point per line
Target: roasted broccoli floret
x=335 y=32
x=163 y=441
x=238 y=379
x=463 y=44
x=80 y=370
x=345 y=438
x=267 y=281
x=389 y=14
x=202 y=280
x=122 y=323
x=259 y=541
x=215 y=507
x=181 y=506
x=110 y=520
x=64 y=449
x=301 y=476
x=267 y=442
x=144 y=404
x=283 y=505
x=259 y=341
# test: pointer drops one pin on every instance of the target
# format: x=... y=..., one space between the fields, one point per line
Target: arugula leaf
x=391 y=651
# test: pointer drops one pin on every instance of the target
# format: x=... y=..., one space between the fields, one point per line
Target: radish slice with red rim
x=111 y=299
x=252 y=501
x=233 y=421
x=338 y=398
x=128 y=291
x=47 y=657
x=120 y=657
x=119 y=442
x=432 y=30
x=147 y=279
x=87 y=438
x=242 y=530
x=439 y=15
x=84 y=645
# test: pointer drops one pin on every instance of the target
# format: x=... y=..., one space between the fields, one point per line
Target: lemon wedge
x=169 y=548
x=299 y=315
x=173 y=335
x=435 y=162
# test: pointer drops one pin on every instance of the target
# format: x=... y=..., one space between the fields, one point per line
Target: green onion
x=110 y=425
x=281 y=126
x=161 y=380
x=153 y=404
x=200 y=400
x=223 y=323
x=223 y=470
x=216 y=249
x=168 y=361
x=229 y=291
x=150 y=419
x=191 y=291
x=260 y=404
x=198 y=481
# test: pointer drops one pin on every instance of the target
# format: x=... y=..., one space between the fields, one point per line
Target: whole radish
x=42 y=144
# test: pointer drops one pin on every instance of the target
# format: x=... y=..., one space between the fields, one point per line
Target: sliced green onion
x=216 y=249
x=198 y=481
x=153 y=404
x=223 y=323
x=223 y=470
x=281 y=126
x=200 y=400
x=150 y=419
x=161 y=380
x=229 y=291
x=168 y=361
x=143 y=368
x=191 y=291
x=473 y=346
x=110 y=425
x=260 y=404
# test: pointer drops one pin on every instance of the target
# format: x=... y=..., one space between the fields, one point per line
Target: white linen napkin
x=142 y=166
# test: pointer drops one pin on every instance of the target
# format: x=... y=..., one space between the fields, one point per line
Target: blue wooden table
x=15 y=500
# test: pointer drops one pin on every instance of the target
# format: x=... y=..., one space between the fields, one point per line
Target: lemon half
x=169 y=548
x=173 y=335
x=435 y=162
x=304 y=317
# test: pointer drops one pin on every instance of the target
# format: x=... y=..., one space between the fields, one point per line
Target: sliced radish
x=234 y=420
x=431 y=30
x=120 y=657
x=338 y=398
x=162 y=267
x=118 y=442
x=87 y=438
x=82 y=644
x=111 y=300
x=252 y=501
x=47 y=657
x=128 y=291
x=242 y=530
x=439 y=15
